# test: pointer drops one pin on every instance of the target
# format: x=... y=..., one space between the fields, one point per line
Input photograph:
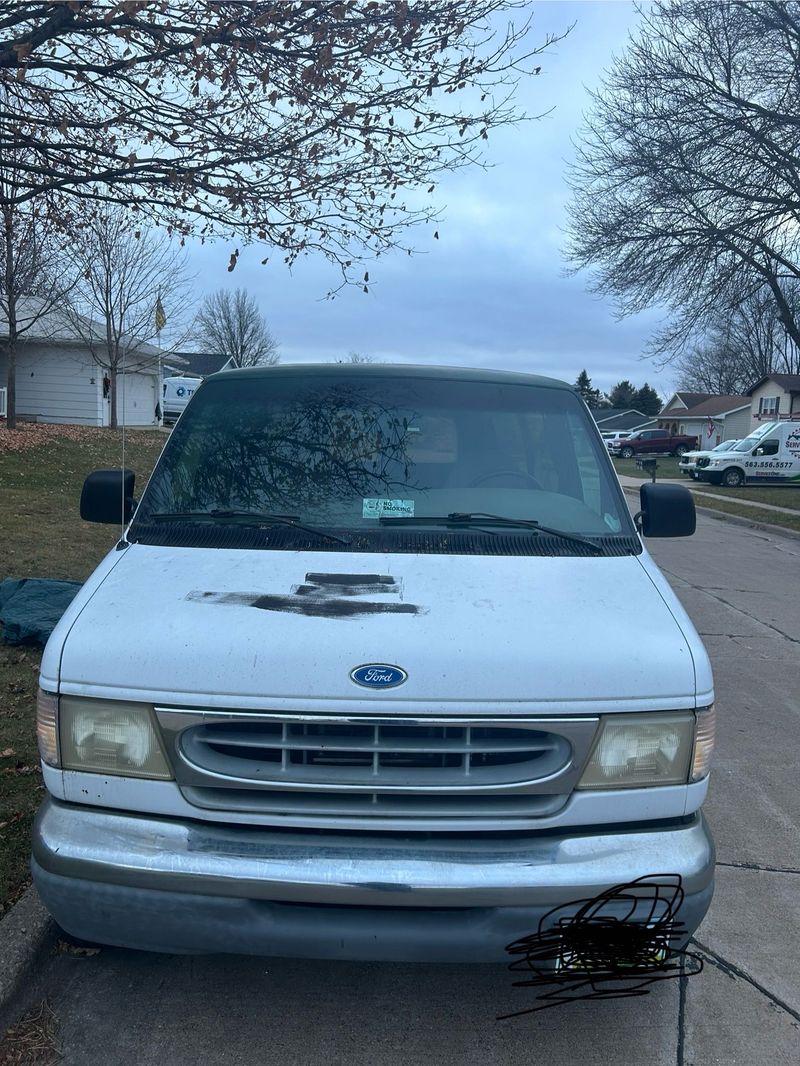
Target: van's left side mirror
x=107 y=496
x=666 y=511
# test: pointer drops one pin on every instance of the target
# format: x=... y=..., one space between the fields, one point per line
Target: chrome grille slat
x=374 y=803
x=310 y=742
x=308 y=769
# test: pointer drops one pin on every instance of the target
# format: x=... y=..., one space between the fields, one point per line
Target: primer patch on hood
x=323 y=596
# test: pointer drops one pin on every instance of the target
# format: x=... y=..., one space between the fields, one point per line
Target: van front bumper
x=183 y=886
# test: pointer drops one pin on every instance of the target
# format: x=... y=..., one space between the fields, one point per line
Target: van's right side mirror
x=666 y=511
x=107 y=496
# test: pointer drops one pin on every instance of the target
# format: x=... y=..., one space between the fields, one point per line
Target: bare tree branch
x=306 y=126
x=686 y=186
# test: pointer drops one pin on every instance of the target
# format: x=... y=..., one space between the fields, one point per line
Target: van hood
x=217 y=627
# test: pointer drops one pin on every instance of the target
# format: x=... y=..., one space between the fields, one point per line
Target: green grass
x=667 y=467
x=771 y=518
x=777 y=495
x=43 y=536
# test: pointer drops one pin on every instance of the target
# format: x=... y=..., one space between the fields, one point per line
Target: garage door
x=138 y=400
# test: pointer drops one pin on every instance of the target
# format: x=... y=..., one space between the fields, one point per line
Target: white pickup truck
x=379 y=669
x=770 y=454
x=687 y=464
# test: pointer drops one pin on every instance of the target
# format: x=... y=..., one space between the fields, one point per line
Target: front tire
x=680 y=450
x=733 y=478
x=626 y=453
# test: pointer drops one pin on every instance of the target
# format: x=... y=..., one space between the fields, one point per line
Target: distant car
x=688 y=461
x=612 y=437
x=652 y=442
x=177 y=393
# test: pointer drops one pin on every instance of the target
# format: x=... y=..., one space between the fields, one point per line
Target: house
x=618 y=418
x=712 y=419
x=775 y=396
x=196 y=364
x=58 y=380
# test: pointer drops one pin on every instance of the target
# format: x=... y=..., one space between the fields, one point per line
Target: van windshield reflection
x=342 y=451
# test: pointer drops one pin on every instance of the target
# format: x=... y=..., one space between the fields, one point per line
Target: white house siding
x=769 y=390
x=737 y=425
x=56 y=383
x=732 y=427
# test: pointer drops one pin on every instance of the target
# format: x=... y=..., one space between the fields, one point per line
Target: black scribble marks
x=613 y=946
x=324 y=596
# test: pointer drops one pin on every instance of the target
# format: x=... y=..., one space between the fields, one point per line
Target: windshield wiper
x=259 y=518
x=476 y=519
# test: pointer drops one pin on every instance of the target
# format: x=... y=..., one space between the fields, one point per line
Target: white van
x=379 y=669
x=177 y=392
x=771 y=454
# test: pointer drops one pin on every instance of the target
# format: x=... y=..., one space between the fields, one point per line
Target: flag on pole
x=160 y=316
x=710 y=430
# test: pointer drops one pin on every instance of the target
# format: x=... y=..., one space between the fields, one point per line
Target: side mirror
x=107 y=496
x=667 y=511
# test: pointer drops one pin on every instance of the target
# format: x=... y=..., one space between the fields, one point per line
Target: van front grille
x=322 y=768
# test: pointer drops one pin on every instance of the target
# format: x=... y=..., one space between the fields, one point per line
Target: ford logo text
x=378 y=675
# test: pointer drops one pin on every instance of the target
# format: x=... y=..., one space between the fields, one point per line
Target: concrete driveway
x=742 y=588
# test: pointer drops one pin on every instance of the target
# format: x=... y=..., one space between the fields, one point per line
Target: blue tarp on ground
x=31 y=606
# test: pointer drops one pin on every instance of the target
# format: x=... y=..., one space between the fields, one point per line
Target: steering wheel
x=519 y=474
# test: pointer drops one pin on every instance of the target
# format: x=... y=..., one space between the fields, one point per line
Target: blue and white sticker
x=377 y=508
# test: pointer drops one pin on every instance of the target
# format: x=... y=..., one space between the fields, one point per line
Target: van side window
x=768 y=447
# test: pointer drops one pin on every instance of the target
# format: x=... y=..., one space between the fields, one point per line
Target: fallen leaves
x=33 y=1041
x=78 y=951
x=29 y=435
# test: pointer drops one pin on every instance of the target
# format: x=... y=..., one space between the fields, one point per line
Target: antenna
x=122 y=478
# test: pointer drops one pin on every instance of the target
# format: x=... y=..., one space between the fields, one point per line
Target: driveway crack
x=758 y=866
x=733 y=607
x=732 y=970
x=681 y=1016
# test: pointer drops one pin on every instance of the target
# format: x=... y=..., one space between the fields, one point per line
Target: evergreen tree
x=583 y=385
x=623 y=395
x=647 y=400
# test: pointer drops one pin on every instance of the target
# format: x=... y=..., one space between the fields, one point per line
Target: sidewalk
x=634 y=483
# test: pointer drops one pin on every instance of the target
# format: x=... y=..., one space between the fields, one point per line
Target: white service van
x=380 y=668
x=771 y=454
x=177 y=391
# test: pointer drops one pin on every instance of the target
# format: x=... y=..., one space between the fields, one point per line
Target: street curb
x=735 y=519
x=25 y=932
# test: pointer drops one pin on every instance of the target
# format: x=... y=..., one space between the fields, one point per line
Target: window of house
x=769 y=405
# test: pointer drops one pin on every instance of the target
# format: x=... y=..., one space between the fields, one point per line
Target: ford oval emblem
x=378 y=675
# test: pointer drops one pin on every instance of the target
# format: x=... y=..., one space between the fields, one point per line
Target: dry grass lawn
x=41 y=535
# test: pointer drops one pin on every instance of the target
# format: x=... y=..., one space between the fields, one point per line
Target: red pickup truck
x=652 y=442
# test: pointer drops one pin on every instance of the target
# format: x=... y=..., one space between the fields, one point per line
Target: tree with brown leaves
x=306 y=126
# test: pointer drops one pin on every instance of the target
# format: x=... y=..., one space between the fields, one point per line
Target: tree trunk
x=112 y=374
x=11 y=310
x=11 y=383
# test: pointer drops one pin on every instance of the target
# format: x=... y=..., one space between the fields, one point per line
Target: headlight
x=110 y=737
x=641 y=750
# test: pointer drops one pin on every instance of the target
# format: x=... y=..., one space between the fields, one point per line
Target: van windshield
x=343 y=450
x=751 y=441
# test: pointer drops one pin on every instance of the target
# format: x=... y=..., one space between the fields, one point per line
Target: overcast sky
x=492 y=291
